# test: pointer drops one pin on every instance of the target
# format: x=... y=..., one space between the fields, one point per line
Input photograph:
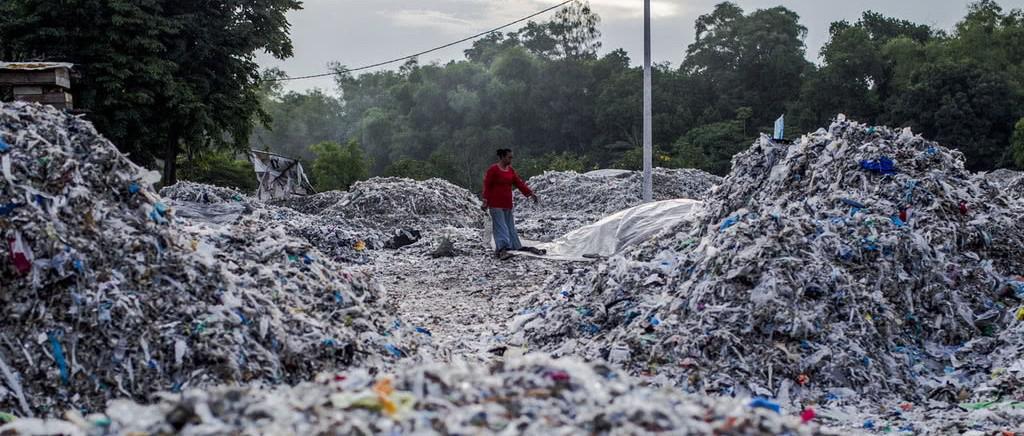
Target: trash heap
x=105 y=295
x=570 y=200
x=1002 y=177
x=1015 y=188
x=392 y=203
x=526 y=395
x=201 y=193
x=855 y=264
x=312 y=204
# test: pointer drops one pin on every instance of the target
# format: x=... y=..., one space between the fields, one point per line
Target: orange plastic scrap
x=384 y=390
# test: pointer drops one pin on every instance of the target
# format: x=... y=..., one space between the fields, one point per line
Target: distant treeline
x=544 y=92
x=175 y=81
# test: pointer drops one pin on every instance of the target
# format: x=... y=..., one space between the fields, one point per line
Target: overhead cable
x=366 y=67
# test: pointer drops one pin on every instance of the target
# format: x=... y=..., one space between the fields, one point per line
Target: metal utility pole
x=648 y=138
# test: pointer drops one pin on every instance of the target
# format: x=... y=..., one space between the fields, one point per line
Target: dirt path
x=465 y=301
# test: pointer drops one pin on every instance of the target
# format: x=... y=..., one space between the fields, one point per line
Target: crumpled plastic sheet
x=105 y=294
x=809 y=278
x=533 y=394
x=570 y=200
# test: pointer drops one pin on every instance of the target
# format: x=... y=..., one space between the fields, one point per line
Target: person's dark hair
x=502 y=152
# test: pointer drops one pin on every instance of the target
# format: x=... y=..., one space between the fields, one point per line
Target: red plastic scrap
x=20 y=256
x=807 y=415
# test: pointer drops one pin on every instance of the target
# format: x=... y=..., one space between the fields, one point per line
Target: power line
x=348 y=70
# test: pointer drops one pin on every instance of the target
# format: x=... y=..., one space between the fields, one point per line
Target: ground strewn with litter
x=533 y=394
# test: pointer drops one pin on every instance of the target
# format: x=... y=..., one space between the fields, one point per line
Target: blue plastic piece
x=58 y=355
x=8 y=208
x=882 y=165
x=654 y=320
x=134 y=188
x=897 y=221
x=764 y=403
x=853 y=203
x=869 y=424
x=729 y=222
x=393 y=350
x=3 y=145
x=424 y=331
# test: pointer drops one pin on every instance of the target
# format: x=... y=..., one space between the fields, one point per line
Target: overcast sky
x=362 y=32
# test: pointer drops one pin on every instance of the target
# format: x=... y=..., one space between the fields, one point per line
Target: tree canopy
x=157 y=77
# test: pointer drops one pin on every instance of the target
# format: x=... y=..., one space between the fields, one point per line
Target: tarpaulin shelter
x=279 y=176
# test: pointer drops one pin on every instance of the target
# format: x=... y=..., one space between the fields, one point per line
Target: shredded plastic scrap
x=533 y=394
x=812 y=278
x=106 y=295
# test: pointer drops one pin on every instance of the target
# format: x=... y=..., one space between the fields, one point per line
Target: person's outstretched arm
x=521 y=185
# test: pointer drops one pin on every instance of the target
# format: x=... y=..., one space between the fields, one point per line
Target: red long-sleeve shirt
x=498 y=185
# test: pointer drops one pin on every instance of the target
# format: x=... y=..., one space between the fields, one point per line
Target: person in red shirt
x=498 y=182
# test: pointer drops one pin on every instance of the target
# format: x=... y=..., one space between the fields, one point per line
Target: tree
x=157 y=74
x=1017 y=145
x=221 y=169
x=754 y=60
x=299 y=120
x=120 y=56
x=992 y=38
x=711 y=147
x=553 y=162
x=961 y=106
x=572 y=34
x=412 y=169
x=337 y=167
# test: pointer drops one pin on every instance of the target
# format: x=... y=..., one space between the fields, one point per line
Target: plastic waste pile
x=570 y=200
x=106 y=295
x=312 y=204
x=1002 y=176
x=859 y=263
x=604 y=192
x=525 y=395
x=391 y=202
x=1015 y=188
x=201 y=193
x=374 y=214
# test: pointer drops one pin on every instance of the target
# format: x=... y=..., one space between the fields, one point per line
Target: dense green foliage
x=221 y=169
x=158 y=77
x=336 y=166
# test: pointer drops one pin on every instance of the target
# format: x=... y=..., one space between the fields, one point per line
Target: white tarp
x=616 y=232
x=279 y=176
